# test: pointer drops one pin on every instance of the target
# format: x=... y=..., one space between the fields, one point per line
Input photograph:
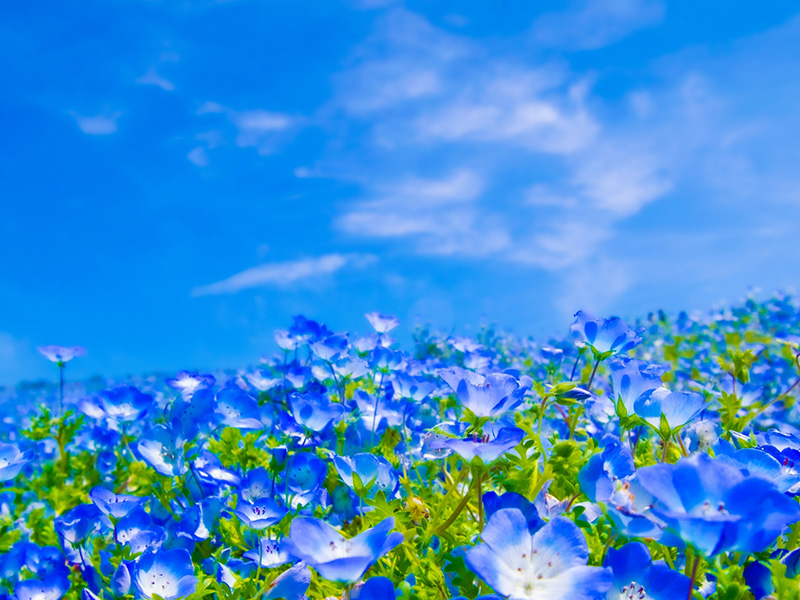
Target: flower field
x=650 y=460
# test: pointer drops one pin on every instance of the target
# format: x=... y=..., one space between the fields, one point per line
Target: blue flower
x=637 y=578
x=12 y=461
x=550 y=563
x=314 y=411
x=75 y=526
x=678 y=408
x=306 y=472
x=375 y=588
x=382 y=323
x=61 y=354
x=270 y=553
x=261 y=513
x=115 y=505
x=237 y=408
x=488 y=448
x=51 y=588
x=336 y=558
x=167 y=573
x=125 y=403
x=714 y=507
x=162 y=449
x=489 y=396
x=758 y=463
x=602 y=474
x=137 y=531
x=605 y=337
x=631 y=378
x=492 y=502
x=369 y=468
x=188 y=382
x=290 y=585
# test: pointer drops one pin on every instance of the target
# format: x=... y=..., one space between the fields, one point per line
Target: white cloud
x=153 y=78
x=621 y=181
x=103 y=124
x=590 y=24
x=198 y=156
x=283 y=274
x=441 y=215
x=259 y=128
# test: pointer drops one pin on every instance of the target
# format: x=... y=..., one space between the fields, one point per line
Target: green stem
x=591 y=378
x=693 y=577
x=480 y=501
x=375 y=412
x=454 y=515
x=60 y=389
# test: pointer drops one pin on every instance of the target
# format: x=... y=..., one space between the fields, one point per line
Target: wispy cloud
x=283 y=274
x=588 y=24
x=441 y=215
x=151 y=77
x=102 y=124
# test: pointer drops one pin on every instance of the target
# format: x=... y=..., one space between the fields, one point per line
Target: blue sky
x=179 y=178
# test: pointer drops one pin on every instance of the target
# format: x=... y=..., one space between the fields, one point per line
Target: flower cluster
x=657 y=461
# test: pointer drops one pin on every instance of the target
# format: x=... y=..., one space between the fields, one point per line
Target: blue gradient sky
x=179 y=178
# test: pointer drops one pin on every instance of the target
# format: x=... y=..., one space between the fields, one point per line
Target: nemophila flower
x=261 y=381
x=678 y=408
x=61 y=354
x=259 y=514
x=488 y=447
x=716 y=508
x=221 y=572
x=115 y=505
x=465 y=344
x=605 y=472
x=50 y=588
x=257 y=483
x=489 y=396
x=166 y=573
x=382 y=323
x=162 y=448
x=270 y=553
x=199 y=520
x=406 y=386
x=187 y=382
x=236 y=408
x=375 y=588
x=758 y=463
x=313 y=411
x=306 y=472
x=75 y=526
x=121 y=581
x=630 y=378
x=609 y=478
x=384 y=359
x=333 y=556
x=636 y=577
x=605 y=337
x=44 y=562
x=125 y=403
x=138 y=532
x=550 y=563
x=287 y=341
x=210 y=471
x=492 y=502
x=375 y=473
x=291 y=584
x=12 y=460
x=350 y=368
x=330 y=348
